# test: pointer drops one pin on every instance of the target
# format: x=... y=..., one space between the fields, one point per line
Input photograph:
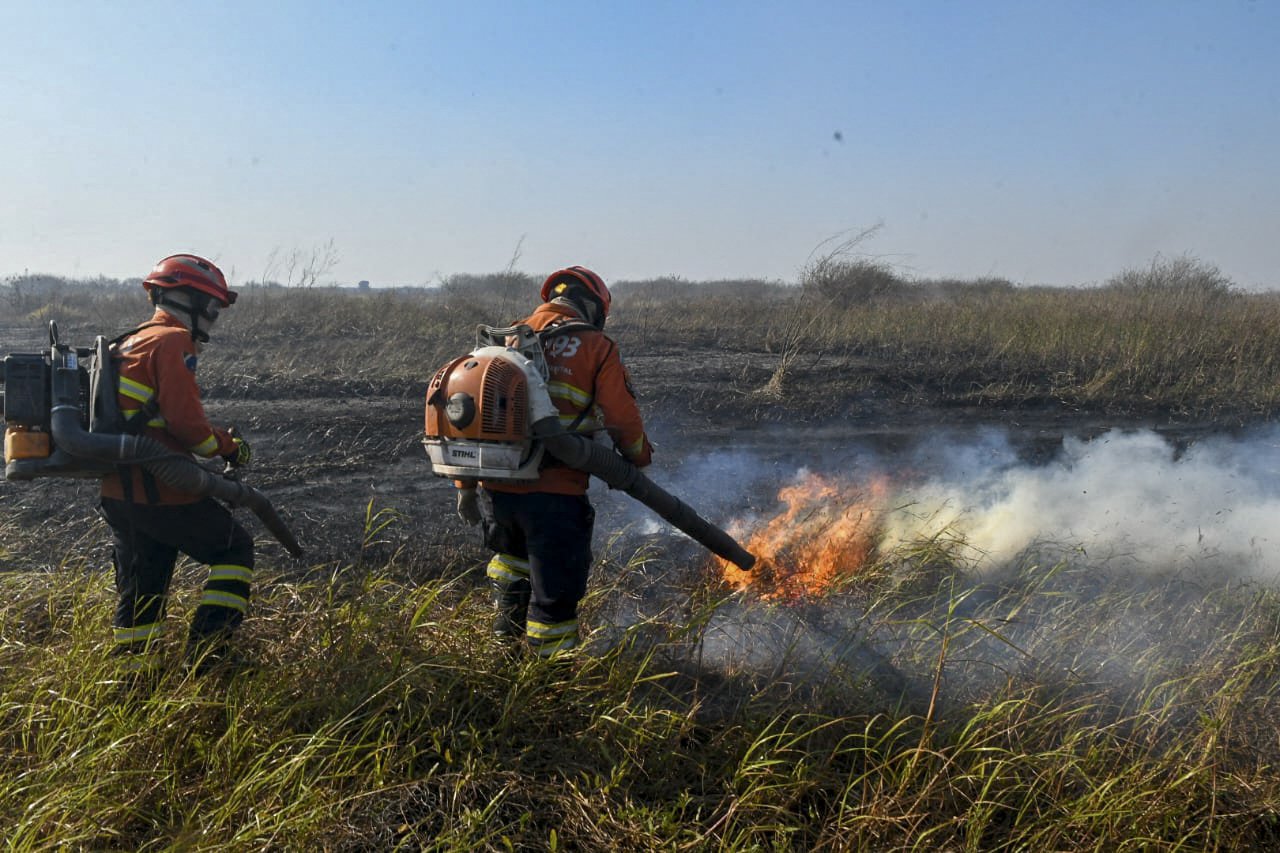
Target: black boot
x=137 y=672
x=213 y=652
x=209 y=644
x=511 y=600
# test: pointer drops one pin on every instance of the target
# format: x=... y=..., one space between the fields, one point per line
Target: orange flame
x=824 y=534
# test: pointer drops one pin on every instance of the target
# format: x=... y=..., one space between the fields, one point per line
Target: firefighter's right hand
x=241 y=455
x=468 y=506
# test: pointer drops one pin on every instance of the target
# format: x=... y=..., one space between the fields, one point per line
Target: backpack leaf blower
x=62 y=419
x=489 y=417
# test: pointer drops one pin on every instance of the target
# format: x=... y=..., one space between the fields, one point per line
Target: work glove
x=241 y=455
x=468 y=506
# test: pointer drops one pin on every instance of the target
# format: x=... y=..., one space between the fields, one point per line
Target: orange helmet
x=570 y=276
x=193 y=272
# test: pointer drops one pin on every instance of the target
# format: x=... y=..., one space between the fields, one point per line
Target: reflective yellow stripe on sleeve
x=206 y=447
x=570 y=393
x=144 y=394
x=136 y=390
x=584 y=424
x=588 y=421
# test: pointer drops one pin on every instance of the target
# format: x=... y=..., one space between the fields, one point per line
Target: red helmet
x=578 y=275
x=190 y=271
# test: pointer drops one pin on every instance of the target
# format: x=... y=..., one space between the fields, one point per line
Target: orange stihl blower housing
x=481 y=408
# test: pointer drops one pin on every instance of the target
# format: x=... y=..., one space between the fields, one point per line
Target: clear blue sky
x=1047 y=142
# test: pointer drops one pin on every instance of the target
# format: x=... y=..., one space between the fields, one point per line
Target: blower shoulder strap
x=119 y=339
x=137 y=422
x=565 y=327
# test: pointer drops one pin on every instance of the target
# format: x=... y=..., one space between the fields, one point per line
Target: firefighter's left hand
x=241 y=455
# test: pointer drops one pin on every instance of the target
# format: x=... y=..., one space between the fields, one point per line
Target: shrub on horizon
x=1182 y=278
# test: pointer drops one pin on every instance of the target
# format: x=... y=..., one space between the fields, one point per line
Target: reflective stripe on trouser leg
x=138 y=637
x=507 y=569
x=138 y=624
x=549 y=639
x=224 y=600
x=509 y=577
x=137 y=648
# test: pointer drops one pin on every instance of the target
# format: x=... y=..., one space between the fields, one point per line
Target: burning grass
x=822 y=537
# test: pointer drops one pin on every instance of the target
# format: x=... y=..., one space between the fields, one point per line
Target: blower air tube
x=180 y=472
x=580 y=452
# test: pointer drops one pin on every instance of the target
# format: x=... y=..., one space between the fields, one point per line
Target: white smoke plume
x=1127 y=498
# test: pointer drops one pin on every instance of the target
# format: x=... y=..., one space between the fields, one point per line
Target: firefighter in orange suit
x=150 y=521
x=541 y=531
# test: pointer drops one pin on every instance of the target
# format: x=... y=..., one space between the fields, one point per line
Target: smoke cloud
x=1129 y=499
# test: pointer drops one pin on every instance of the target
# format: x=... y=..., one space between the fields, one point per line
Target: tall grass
x=1033 y=714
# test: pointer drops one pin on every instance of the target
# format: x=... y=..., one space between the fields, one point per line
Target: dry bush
x=300 y=267
x=844 y=281
x=836 y=277
x=1183 y=279
x=959 y=288
x=673 y=290
x=1176 y=338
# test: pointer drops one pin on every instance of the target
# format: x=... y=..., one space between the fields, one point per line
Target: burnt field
x=334 y=452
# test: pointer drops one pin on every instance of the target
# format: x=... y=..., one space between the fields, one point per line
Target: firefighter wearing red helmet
x=541 y=531
x=150 y=521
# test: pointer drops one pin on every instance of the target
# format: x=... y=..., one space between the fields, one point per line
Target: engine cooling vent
x=504 y=407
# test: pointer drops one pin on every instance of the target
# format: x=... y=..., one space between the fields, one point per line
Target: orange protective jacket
x=159 y=361
x=592 y=389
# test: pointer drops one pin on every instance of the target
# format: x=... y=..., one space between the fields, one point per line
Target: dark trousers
x=146 y=540
x=552 y=532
